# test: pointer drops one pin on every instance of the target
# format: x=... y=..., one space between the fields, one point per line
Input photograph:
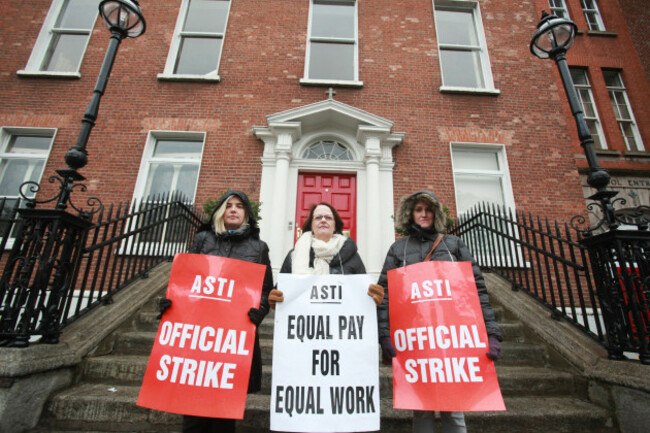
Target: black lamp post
x=618 y=258
x=553 y=37
x=49 y=245
x=125 y=20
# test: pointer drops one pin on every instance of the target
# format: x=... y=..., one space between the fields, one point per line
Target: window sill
x=469 y=90
x=602 y=33
x=197 y=78
x=607 y=152
x=340 y=83
x=46 y=74
x=637 y=153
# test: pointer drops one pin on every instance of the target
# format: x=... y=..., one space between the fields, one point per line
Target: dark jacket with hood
x=346 y=262
x=243 y=244
x=414 y=248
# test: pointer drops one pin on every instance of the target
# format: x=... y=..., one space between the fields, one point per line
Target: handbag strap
x=435 y=244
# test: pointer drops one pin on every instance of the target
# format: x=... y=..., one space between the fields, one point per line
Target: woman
x=233 y=233
x=421 y=216
x=322 y=249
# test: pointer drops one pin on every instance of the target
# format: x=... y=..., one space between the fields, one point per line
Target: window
x=170 y=164
x=583 y=89
x=332 y=49
x=23 y=153
x=558 y=8
x=196 y=47
x=461 y=43
x=592 y=15
x=480 y=175
x=328 y=150
x=63 y=38
x=623 y=110
x=170 y=167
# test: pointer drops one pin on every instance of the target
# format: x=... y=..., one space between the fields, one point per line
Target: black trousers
x=198 y=424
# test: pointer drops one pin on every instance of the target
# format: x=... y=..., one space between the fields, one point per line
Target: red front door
x=340 y=190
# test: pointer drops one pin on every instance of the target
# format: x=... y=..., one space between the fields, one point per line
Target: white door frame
x=370 y=140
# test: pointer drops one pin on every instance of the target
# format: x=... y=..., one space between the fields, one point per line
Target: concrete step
x=93 y=407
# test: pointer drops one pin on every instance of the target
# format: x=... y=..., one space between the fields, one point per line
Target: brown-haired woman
x=323 y=249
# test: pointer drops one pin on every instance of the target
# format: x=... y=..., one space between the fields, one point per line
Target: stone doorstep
x=514 y=353
x=523 y=414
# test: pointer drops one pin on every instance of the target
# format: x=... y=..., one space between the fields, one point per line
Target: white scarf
x=324 y=253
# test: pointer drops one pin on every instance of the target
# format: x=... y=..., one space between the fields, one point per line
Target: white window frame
x=355 y=41
x=506 y=185
x=481 y=48
x=5 y=136
x=592 y=10
x=148 y=158
x=559 y=6
x=631 y=121
x=175 y=46
x=599 y=129
x=48 y=31
x=132 y=245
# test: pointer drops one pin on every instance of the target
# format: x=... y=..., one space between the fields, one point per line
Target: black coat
x=346 y=262
x=414 y=249
x=243 y=245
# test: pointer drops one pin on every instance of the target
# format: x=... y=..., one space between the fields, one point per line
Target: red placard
x=201 y=359
x=437 y=328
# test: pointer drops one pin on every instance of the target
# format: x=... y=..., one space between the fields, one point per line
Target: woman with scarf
x=322 y=249
x=421 y=216
x=233 y=232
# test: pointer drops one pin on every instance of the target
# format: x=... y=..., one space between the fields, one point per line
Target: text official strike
x=440 y=370
x=204 y=373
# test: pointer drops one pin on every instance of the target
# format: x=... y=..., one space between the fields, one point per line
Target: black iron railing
x=555 y=265
x=61 y=266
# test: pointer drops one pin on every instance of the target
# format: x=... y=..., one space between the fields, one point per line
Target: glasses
x=323 y=217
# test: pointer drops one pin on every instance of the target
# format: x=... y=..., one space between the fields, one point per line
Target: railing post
x=620 y=261
x=39 y=275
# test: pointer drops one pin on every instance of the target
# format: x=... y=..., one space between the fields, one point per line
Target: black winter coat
x=243 y=245
x=414 y=249
x=346 y=262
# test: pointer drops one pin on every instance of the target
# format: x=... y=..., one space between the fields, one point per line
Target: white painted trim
x=370 y=140
x=147 y=152
x=42 y=43
x=486 y=68
x=307 y=80
x=174 y=47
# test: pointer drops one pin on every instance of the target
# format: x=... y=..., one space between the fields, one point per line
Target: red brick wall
x=612 y=49
x=637 y=17
x=262 y=62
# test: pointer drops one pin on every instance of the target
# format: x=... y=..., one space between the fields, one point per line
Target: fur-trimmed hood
x=252 y=222
x=404 y=215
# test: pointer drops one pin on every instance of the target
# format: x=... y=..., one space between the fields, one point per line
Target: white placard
x=325 y=355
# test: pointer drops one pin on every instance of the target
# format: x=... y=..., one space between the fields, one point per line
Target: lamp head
x=553 y=35
x=123 y=16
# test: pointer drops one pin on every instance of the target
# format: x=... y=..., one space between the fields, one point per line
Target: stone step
x=514 y=353
x=514 y=381
x=129 y=370
x=93 y=407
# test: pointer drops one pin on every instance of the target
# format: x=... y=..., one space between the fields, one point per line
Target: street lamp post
x=553 y=37
x=124 y=19
x=618 y=258
x=41 y=270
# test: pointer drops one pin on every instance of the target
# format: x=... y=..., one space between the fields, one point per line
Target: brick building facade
x=441 y=95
